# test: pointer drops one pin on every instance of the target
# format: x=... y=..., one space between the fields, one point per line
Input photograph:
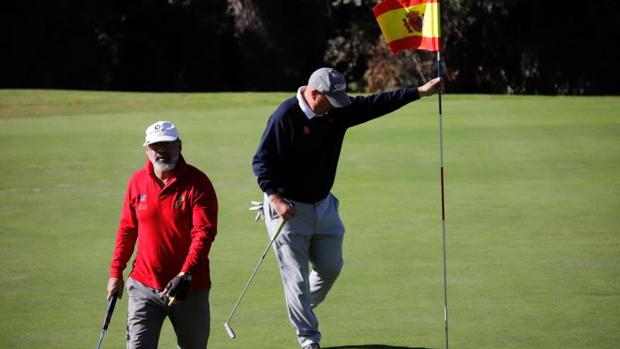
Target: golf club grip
x=109 y=311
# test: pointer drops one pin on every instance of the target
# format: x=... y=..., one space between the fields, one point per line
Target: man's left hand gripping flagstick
x=257 y=206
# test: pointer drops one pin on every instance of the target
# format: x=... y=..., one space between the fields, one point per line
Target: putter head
x=229 y=330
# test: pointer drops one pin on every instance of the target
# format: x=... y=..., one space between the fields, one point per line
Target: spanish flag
x=409 y=24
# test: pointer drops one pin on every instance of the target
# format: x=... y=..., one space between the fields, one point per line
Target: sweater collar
x=303 y=105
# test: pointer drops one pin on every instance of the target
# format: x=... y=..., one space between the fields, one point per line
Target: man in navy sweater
x=296 y=165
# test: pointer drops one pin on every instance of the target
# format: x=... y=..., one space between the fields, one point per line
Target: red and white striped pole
x=443 y=208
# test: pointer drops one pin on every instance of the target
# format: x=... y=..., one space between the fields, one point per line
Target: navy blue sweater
x=297 y=157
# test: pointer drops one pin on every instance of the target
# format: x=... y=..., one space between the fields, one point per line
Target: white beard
x=164 y=166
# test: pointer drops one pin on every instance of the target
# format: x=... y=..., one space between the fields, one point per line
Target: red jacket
x=174 y=224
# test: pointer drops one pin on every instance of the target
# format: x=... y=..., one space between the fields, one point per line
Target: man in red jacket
x=170 y=209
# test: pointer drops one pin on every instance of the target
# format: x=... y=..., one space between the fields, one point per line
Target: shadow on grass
x=372 y=346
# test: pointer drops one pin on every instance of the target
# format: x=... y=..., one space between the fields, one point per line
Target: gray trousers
x=147 y=311
x=312 y=237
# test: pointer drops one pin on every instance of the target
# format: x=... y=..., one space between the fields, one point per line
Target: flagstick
x=443 y=211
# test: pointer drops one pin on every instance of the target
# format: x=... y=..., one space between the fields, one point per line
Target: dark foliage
x=501 y=46
x=120 y=45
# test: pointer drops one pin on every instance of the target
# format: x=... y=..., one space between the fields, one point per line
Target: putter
x=229 y=330
x=107 y=318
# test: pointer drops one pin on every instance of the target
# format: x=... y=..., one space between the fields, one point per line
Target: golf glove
x=258 y=207
x=178 y=287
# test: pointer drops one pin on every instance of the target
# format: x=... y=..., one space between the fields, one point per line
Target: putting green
x=532 y=188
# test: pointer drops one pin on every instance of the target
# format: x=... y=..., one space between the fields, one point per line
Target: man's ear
x=180 y=145
x=314 y=93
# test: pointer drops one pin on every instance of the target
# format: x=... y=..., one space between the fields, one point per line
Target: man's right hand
x=285 y=210
x=115 y=286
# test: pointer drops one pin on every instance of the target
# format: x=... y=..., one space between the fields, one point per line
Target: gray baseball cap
x=331 y=83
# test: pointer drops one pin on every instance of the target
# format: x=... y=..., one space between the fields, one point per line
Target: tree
x=501 y=46
x=281 y=41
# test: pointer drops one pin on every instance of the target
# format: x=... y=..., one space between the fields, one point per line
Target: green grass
x=532 y=218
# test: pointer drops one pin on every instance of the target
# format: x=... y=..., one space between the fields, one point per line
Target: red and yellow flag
x=409 y=24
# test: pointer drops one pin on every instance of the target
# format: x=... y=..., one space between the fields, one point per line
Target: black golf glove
x=178 y=287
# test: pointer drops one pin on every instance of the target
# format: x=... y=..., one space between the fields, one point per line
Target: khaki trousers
x=309 y=252
x=147 y=311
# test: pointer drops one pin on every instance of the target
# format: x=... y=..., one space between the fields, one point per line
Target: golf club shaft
x=260 y=261
x=100 y=339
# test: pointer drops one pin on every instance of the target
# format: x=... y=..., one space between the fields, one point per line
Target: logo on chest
x=178 y=203
x=142 y=201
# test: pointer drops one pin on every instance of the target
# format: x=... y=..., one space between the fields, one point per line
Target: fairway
x=532 y=220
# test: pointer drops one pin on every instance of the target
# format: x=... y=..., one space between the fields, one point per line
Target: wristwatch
x=187 y=276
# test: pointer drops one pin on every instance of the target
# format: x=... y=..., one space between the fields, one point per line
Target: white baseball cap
x=161 y=131
x=332 y=84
